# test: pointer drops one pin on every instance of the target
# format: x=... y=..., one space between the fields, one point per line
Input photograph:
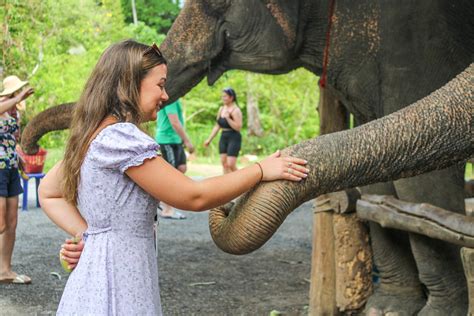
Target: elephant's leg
x=438 y=262
x=400 y=290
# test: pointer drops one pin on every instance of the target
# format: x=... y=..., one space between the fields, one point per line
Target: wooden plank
x=422 y=219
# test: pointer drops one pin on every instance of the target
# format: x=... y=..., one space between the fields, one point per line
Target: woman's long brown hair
x=112 y=90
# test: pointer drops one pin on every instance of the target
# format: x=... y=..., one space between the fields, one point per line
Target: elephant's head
x=210 y=37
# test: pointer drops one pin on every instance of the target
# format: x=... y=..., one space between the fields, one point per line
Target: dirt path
x=196 y=278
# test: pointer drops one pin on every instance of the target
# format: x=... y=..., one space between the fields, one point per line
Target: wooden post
x=467 y=256
x=333 y=117
x=322 y=293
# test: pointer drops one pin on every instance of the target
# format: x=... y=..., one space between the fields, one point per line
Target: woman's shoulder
x=120 y=144
x=122 y=133
x=121 y=128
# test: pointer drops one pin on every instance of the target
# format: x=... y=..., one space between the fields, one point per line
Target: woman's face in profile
x=153 y=93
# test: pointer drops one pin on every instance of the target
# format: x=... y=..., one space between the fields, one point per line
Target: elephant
x=394 y=66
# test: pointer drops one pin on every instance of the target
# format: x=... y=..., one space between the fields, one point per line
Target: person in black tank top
x=229 y=120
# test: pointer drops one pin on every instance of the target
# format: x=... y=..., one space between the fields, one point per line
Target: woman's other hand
x=71 y=252
x=206 y=143
x=276 y=167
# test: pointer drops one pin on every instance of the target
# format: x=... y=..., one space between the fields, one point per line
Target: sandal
x=19 y=279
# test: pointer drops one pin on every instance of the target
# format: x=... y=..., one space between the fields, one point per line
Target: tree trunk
x=254 y=127
x=134 y=13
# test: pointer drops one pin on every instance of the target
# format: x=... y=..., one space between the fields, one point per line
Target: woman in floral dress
x=113 y=174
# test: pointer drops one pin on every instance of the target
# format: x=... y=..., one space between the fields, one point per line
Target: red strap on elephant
x=322 y=81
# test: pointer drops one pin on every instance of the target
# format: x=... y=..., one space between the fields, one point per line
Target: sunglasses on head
x=153 y=48
x=229 y=91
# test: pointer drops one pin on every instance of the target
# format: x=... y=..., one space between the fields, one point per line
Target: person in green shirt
x=171 y=136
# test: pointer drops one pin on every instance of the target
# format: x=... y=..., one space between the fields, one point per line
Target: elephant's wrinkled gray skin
x=384 y=55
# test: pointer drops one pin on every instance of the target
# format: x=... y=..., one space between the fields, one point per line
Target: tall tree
x=254 y=127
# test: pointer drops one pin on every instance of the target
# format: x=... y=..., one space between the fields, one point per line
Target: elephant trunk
x=52 y=119
x=433 y=133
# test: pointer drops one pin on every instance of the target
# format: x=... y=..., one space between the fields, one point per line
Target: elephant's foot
x=451 y=302
x=448 y=309
x=395 y=301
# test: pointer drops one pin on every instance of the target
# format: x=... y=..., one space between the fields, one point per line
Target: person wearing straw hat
x=12 y=86
x=11 y=98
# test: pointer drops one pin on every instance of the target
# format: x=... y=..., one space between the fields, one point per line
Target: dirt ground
x=196 y=278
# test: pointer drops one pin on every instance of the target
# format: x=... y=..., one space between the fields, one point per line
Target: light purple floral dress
x=117 y=273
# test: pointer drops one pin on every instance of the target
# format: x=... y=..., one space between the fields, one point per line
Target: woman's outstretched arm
x=167 y=184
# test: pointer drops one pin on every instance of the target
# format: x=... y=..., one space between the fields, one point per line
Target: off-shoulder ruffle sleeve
x=121 y=146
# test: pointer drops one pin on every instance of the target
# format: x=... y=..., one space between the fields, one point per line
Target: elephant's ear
x=216 y=7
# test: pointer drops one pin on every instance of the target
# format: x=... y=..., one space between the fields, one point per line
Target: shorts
x=174 y=154
x=230 y=143
x=10 y=183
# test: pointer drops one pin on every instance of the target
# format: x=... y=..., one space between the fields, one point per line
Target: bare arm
x=176 y=124
x=7 y=103
x=184 y=193
x=215 y=129
x=65 y=215
x=214 y=132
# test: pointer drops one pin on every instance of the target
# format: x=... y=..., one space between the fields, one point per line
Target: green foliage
x=469 y=173
x=63 y=40
x=159 y=15
x=145 y=34
x=287 y=105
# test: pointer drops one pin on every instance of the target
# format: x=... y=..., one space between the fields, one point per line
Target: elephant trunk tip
x=219 y=223
x=29 y=148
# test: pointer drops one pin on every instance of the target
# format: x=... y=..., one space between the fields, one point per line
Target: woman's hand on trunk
x=276 y=167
